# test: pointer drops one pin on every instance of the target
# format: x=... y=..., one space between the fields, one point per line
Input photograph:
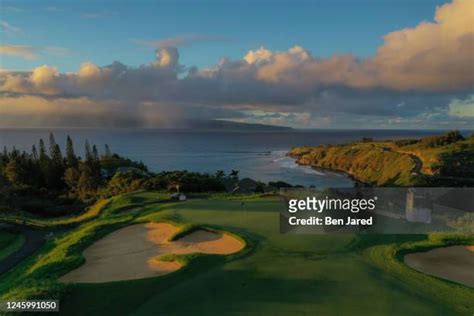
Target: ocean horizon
x=260 y=155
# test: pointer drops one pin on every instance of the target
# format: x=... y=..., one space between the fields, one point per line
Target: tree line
x=47 y=179
x=45 y=167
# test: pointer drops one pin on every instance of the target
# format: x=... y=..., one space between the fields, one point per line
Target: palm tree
x=220 y=173
x=234 y=174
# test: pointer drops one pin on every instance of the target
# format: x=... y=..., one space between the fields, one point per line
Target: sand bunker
x=130 y=253
x=452 y=263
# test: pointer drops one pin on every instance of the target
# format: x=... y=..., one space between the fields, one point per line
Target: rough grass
x=102 y=208
x=37 y=222
x=389 y=258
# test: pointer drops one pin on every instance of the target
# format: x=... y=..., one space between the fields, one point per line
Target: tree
x=88 y=151
x=34 y=153
x=108 y=153
x=220 y=174
x=43 y=163
x=71 y=178
x=55 y=167
x=88 y=182
x=42 y=151
x=234 y=174
x=95 y=153
x=52 y=144
x=15 y=173
x=71 y=159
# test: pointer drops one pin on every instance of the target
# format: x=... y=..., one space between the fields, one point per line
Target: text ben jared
x=344 y=212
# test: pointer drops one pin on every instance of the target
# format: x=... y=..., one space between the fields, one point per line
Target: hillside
x=446 y=160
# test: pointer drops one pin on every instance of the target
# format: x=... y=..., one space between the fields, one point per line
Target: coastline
x=357 y=181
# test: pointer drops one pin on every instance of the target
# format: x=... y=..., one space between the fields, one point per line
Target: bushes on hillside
x=446 y=139
x=186 y=181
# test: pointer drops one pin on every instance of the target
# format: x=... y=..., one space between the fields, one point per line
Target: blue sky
x=309 y=64
x=103 y=31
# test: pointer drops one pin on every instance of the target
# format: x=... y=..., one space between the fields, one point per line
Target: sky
x=306 y=64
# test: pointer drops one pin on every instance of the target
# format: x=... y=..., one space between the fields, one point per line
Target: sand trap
x=130 y=253
x=454 y=263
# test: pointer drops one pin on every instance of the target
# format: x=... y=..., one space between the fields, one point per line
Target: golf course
x=224 y=254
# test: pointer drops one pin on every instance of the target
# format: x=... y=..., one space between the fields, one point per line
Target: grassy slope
x=368 y=162
x=283 y=274
x=385 y=163
x=101 y=208
x=38 y=222
x=9 y=243
x=459 y=154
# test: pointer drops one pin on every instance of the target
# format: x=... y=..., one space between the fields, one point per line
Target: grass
x=101 y=208
x=277 y=274
x=396 y=163
x=38 y=222
x=368 y=162
x=10 y=243
x=390 y=258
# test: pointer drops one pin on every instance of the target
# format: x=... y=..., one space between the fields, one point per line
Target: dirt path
x=133 y=252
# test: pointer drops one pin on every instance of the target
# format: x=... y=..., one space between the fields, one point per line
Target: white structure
x=415 y=210
x=182 y=197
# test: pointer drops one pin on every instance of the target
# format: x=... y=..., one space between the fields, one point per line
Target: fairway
x=283 y=273
x=276 y=273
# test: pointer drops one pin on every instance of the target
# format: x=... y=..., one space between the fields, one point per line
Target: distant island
x=446 y=160
x=226 y=125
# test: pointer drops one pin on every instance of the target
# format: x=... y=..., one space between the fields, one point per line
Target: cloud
x=462 y=108
x=32 y=52
x=26 y=52
x=9 y=29
x=414 y=72
x=179 y=41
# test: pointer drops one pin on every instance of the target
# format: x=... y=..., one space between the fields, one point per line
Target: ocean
x=260 y=155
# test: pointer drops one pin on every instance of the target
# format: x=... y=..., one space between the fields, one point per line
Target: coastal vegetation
x=45 y=182
x=446 y=160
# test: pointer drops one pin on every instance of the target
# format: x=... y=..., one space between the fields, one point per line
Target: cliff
x=446 y=160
